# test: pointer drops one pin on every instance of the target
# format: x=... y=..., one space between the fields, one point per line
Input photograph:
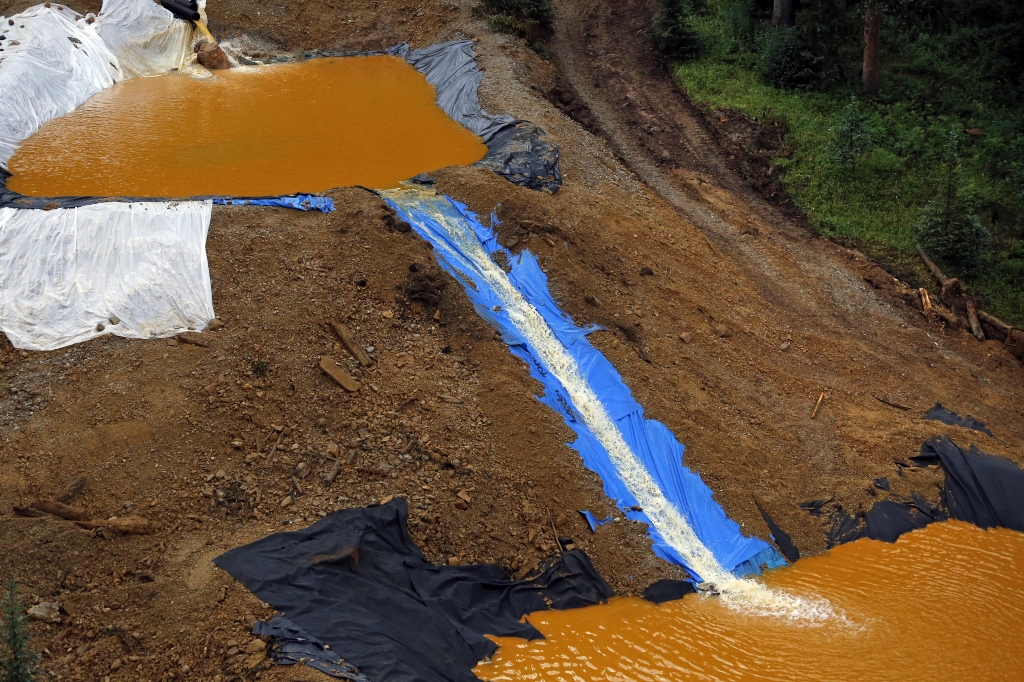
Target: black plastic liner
x=357 y=581
x=668 y=590
x=947 y=416
x=516 y=150
x=291 y=645
x=983 y=489
x=781 y=537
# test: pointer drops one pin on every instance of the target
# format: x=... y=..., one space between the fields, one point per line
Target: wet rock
x=212 y=57
x=47 y=611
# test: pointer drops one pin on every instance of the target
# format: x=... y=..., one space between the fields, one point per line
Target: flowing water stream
x=252 y=131
x=942 y=603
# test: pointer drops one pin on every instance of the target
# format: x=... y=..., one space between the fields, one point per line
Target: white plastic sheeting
x=146 y=38
x=53 y=60
x=65 y=271
x=50 y=65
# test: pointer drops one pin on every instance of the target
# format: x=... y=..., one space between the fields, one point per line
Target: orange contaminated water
x=942 y=603
x=253 y=131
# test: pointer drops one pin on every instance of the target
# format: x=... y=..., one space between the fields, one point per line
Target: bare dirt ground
x=213 y=443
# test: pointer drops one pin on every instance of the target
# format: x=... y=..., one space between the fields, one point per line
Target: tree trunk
x=872 y=29
x=782 y=14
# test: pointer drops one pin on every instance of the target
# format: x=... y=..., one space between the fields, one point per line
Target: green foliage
x=528 y=19
x=784 y=61
x=17 y=660
x=852 y=135
x=673 y=33
x=938 y=155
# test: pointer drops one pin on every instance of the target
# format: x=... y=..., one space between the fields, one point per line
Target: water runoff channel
x=255 y=129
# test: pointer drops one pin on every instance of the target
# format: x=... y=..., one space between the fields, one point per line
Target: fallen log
x=972 y=317
x=939 y=275
x=995 y=323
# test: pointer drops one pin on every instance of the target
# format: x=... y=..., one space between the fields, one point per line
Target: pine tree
x=17 y=660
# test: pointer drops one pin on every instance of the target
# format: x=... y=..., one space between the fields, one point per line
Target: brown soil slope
x=184 y=435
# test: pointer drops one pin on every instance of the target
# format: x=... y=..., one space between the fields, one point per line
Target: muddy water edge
x=942 y=603
x=252 y=131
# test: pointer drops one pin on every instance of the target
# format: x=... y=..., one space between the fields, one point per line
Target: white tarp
x=146 y=38
x=65 y=271
x=50 y=65
x=52 y=60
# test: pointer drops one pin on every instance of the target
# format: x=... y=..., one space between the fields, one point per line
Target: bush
x=852 y=135
x=784 y=61
x=17 y=660
x=953 y=233
x=528 y=19
x=673 y=33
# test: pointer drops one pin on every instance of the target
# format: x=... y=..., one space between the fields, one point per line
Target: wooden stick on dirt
x=357 y=351
x=555 y=531
x=972 y=317
x=818 y=405
x=61 y=510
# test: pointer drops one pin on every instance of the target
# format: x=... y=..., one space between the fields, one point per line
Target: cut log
x=972 y=317
x=357 y=351
x=926 y=301
x=995 y=322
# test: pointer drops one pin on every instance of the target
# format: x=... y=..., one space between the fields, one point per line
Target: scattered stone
x=387 y=314
x=785 y=345
x=47 y=611
x=100 y=327
x=722 y=331
x=286 y=501
x=646 y=271
x=212 y=57
x=332 y=473
x=302 y=470
x=214 y=325
x=454 y=561
x=114 y=319
x=256 y=645
x=221 y=474
x=115 y=665
x=233 y=651
x=561 y=520
x=321 y=422
x=332 y=449
x=685 y=337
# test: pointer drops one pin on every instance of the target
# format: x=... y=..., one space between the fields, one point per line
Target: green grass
x=873 y=203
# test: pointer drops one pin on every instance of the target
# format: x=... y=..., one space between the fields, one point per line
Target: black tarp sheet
x=357 y=581
x=983 y=489
x=781 y=537
x=291 y=645
x=668 y=590
x=946 y=416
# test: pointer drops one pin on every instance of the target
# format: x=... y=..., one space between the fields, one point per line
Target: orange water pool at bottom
x=253 y=131
x=942 y=603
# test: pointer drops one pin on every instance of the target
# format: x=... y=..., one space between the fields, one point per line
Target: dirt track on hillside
x=772 y=318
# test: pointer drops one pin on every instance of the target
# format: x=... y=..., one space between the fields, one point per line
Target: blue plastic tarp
x=302 y=202
x=653 y=443
x=592 y=520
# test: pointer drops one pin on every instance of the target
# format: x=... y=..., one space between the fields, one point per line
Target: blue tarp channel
x=654 y=444
x=302 y=202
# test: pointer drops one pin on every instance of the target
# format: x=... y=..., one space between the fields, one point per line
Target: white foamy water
x=741 y=593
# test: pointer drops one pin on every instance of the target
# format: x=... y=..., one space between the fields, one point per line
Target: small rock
x=321 y=422
x=561 y=520
x=222 y=474
x=233 y=651
x=185 y=669
x=785 y=345
x=685 y=337
x=722 y=331
x=100 y=327
x=47 y=611
x=454 y=561
x=302 y=470
x=332 y=449
x=115 y=665
x=255 y=646
x=387 y=314
x=461 y=505
x=212 y=57
x=237 y=444
x=437 y=316
x=594 y=301
x=214 y=325
x=646 y=271
x=287 y=500
x=114 y=319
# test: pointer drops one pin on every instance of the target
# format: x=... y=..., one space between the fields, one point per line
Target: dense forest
x=903 y=119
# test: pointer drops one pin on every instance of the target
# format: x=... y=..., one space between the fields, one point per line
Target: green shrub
x=528 y=19
x=784 y=61
x=673 y=32
x=852 y=132
x=953 y=233
x=17 y=660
